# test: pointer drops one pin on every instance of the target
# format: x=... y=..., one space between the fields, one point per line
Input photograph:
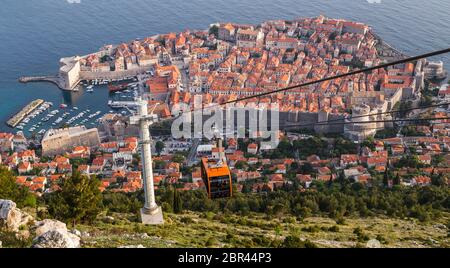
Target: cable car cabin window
x=217 y=179
x=220 y=187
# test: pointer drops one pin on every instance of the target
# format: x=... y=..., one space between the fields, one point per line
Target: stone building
x=59 y=141
x=69 y=71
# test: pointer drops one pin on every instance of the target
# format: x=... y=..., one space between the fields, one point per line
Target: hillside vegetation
x=192 y=229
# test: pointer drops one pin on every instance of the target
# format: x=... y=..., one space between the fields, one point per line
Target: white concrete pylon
x=150 y=213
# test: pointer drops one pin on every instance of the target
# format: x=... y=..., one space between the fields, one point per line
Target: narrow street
x=191 y=157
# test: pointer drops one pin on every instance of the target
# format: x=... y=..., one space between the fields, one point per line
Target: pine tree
x=386 y=177
x=341 y=178
x=159 y=146
x=396 y=180
x=79 y=200
x=330 y=181
x=177 y=203
x=246 y=188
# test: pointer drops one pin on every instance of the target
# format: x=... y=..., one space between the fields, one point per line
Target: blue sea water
x=34 y=34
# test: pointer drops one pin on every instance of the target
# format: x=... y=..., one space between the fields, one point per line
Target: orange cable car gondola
x=216 y=175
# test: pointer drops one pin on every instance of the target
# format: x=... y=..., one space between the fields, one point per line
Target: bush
x=340 y=221
x=211 y=242
x=295 y=242
x=360 y=235
x=187 y=220
x=79 y=200
x=289 y=220
x=10 y=190
x=122 y=203
x=337 y=200
x=334 y=229
x=381 y=239
x=261 y=241
x=10 y=240
x=311 y=229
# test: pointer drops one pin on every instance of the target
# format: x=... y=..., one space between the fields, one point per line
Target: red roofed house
x=81 y=152
x=65 y=168
x=61 y=160
x=37 y=187
x=109 y=147
x=421 y=180
x=232 y=145
x=349 y=159
x=276 y=180
x=425 y=159
x=21 y=180
x=40 y=180
x=196 y=175
x=252 y=148
x=6 y=142
x=84 y=169
x=377 y=162
x=280 y=169
x=306 y=179
x=27 y=156
x=24 y=167
x=172 y=167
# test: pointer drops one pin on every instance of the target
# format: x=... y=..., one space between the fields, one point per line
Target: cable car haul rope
x=215 y=172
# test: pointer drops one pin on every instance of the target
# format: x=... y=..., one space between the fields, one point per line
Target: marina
x=41 y=115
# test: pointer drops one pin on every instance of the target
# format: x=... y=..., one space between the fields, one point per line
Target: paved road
x=141 y=81
x=185 y=80
x=192 y=153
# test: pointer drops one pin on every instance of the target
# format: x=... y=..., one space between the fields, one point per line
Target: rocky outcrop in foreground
x=47 y=233
x=54 y=234
x=12 y=218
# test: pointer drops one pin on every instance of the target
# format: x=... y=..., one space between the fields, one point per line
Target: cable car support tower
x=151 y=213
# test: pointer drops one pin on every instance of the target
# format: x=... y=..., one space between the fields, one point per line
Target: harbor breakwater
x=17 y=118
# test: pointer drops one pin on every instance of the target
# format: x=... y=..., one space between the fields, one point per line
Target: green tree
x=426 y=100
x=403 y=108
x=79 y=200
x=295 y=242
x=315 y=145
x=240 y=165
x=10 y=190
x=159 y=164
x=306 y=168
x=214 y=30
x=438 y=180
x=286 y=148
x=411 y=161
x=369 y=142
x=159 y=146
x=396 y=180
x=121 y=202
x=177 y=202
x=343 y=146
x=179 y=158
